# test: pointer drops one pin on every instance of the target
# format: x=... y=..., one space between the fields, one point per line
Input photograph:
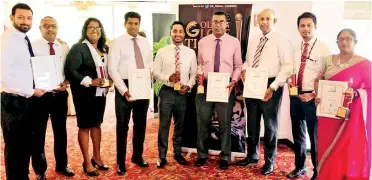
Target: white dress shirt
x=121 y=58
x=164 y=65
x=16 y=69
x=317 y=52
x=276 y=56
x=42 y=48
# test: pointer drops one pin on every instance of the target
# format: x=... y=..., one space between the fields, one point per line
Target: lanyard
x=312 y=46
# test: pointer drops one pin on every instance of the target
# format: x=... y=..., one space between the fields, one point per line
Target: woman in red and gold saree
x=344 y=146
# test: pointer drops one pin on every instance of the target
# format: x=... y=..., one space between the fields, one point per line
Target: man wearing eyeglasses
x=309 y=55
x=218 y=52
x=51 y=103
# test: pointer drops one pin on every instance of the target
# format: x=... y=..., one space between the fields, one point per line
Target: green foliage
x=166 y=40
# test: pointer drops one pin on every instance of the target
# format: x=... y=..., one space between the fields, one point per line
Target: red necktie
x=302 y=66
x=51 y=49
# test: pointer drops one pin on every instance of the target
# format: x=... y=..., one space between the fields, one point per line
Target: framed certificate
x=255 y=83
x=47 y=71
x=140 y=84
x=217 y=90
x=331 y=97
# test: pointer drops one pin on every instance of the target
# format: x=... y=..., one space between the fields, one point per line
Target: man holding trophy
x=218 y=53
x=174 y=65
x=308 y=61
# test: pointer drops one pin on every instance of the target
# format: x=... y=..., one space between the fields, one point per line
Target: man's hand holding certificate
x=217 y=87
x=47 y=72
x=255 y=83
x=139 y=84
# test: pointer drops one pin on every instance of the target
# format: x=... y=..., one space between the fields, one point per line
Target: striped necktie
x=257 y=55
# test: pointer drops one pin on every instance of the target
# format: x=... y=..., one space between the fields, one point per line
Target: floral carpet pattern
x=284 y=160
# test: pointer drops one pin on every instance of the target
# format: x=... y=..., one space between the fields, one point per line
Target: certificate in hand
x=255 y=83
x=331 y=97
x=47 y=72
x=140 y=84
x=217 y=90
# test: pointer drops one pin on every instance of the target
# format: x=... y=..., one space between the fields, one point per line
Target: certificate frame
x=47 y=72
x=139 y=84
x=217 y=90
x=255 y=83
x=331 y=97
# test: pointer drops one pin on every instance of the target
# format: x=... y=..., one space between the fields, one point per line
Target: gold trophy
x=293 y=91
x=177 y=85
x=238 y=25
x=201 y=79
x=344 y=111
x=106 y=82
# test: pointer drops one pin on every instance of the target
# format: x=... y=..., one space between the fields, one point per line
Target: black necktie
x=32 y=55
x=29 y=47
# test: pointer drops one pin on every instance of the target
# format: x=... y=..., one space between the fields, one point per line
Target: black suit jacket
x=79 y=64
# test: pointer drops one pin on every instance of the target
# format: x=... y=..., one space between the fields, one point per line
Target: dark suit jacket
x=79 y=64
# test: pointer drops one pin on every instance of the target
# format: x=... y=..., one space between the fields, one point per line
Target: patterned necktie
x=217 y=56
x=302 y=66
x=29 y=47
x=51 y=49
x=257 y=55
x=137 y=55
x=177 y=58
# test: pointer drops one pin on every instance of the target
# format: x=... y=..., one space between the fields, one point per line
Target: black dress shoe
x=296 y=173
x=121 y=171
x=41 y=177
x=224 y=164
x=66 y=171
x=161 y=163
x=200 y=162
x=140 y=162
x=180 y=159
x=102 y=167
x=267 y=169
x=246 y=161
x=92 y=173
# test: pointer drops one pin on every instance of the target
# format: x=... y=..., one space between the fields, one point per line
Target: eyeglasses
x=47 y=26
x=348 y=39
x=94 y=28
x=219 y=22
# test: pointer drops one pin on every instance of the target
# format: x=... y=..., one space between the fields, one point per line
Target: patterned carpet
x=172 y=170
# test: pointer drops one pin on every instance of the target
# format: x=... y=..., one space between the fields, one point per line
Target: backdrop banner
x=198 y=21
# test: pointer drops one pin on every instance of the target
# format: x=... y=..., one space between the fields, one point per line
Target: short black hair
x=131 y=14
x=177 y=23
x=352 y=33
x=219 y=13
x=21 y=6
x=306 y=15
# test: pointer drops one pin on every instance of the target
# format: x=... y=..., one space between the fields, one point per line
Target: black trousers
x=123 y=110
x=269 y=110
x=55 y=105
x=171 y=103
x=16 y=126
x=303 y=115
x=204 y=111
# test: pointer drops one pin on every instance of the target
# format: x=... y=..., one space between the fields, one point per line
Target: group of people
x=339 y=149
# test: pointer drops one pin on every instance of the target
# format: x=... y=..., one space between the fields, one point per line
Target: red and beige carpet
x=284 y=161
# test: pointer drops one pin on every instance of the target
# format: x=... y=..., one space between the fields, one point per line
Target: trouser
x=171 y=102
x=123 y=110
x=55 y=105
